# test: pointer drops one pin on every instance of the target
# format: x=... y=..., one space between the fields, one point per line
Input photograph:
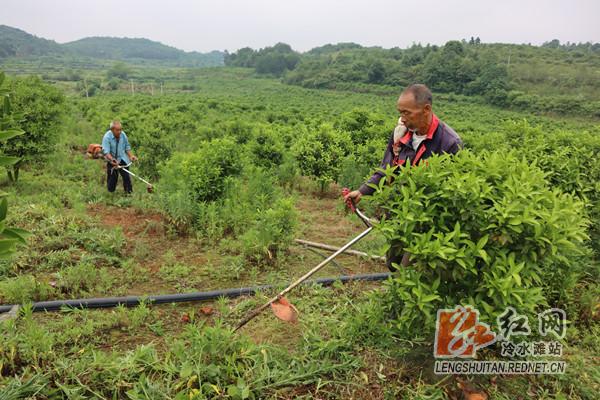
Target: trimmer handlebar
x=352 y=206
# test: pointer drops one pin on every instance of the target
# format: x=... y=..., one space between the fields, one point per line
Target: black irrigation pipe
x=132 y=301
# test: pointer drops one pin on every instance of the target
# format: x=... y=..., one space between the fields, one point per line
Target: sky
x=205 y=25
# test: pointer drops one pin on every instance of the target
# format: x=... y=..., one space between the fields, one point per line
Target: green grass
x=86 y=242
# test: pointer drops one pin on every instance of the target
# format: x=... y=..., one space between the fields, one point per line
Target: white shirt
x=417 y=139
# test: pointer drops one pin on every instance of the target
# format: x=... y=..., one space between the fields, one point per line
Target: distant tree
x=271 y=64
x=413 y=56
x=119 y=70
x=553 y=44
x=376 y=72
x=69 y=75
x=244 y=57
x=492 y=83
x=333 y=48
x=280 y=48
x=112 y=84
x=449 y=70
x=88 y=87
x=453 y=47
x=273 y=60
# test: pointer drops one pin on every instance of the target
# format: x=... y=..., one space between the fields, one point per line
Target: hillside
x=139 y=48
x=553 y=77
x=16 y=43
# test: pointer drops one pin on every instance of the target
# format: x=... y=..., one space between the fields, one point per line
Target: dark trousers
x=112 y=176
x=396 y=256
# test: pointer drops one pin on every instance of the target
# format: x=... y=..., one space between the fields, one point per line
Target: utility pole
x=161 y=88
x=131 y=86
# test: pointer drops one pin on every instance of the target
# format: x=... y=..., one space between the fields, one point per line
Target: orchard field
x=242 y=166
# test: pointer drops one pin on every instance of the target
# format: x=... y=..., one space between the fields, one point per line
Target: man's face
x=414 y=116
x=116 y=130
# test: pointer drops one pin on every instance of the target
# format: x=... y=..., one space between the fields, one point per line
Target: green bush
x=364 y=126
x=9 y=237
x=190 y=179
x=22 y=289
x=357 y=167
x=319 y=153
x=201 y=190
x=267 y=149
x=255 y=213
x=482 y=230
x=41 y=107
x=569 y=161
x=83 y=280
x=153 y=147
x=369 y=133
x=271 y=233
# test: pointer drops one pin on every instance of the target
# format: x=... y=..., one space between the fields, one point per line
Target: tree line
x=543 y=78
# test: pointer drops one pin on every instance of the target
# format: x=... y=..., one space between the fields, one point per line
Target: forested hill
x=553 y=77
x=127 y=48
x=17 y=43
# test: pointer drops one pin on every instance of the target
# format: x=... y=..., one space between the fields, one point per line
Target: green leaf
x=6 y=245
x=517 y=278
x=15 y=233
x=245 y=392
x=10 y=133
x=488 y=309
x=234 y=392
x=430 y=297
x=482 y=242
x=519 y=298
x=6 y=161
x=461 y=262
x=3 y=209
x=484 y=255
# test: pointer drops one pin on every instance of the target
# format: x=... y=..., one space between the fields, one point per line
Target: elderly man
x=117 y=151
x=419 y=134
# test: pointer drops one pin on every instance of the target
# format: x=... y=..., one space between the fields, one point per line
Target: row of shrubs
x=231 y=186
x=531 y=214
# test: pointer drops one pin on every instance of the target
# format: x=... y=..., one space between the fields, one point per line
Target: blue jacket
x=118 y=151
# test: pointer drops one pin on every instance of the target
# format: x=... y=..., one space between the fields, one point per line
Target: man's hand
x=355 y=195
x=133 y=158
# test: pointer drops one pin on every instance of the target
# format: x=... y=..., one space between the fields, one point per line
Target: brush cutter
x=280 y=306
x=149 y=187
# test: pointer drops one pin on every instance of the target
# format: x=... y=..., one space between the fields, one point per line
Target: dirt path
x=155 y=249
